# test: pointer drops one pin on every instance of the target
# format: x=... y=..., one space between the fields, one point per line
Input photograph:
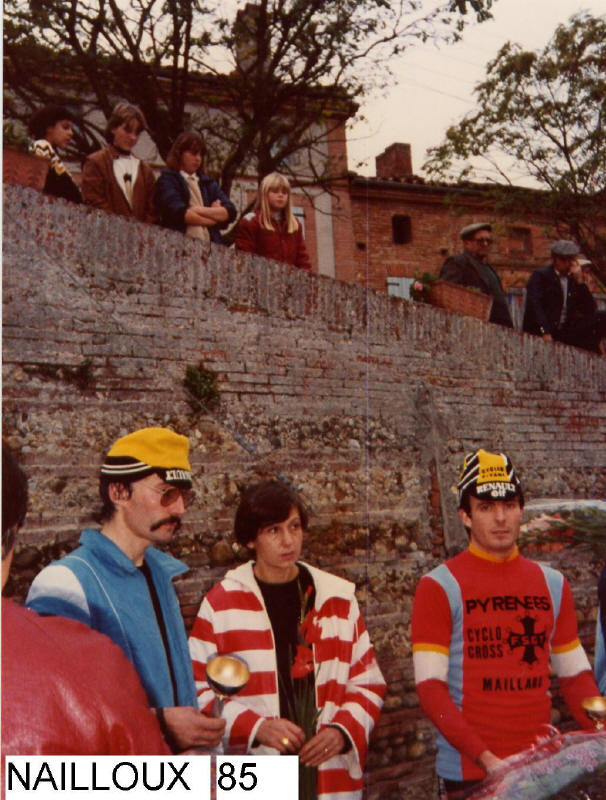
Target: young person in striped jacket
x=301 y=633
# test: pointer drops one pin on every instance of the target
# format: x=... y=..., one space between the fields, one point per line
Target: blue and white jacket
x=100 y=585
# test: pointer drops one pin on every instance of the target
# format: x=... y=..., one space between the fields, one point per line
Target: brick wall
x=365 y=402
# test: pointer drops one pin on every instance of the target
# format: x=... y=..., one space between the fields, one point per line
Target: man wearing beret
x=471 y=268
x=559 y=305
x=117 y=582
x=485 y=627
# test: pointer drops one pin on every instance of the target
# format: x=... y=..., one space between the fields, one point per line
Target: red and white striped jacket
x=349 y=683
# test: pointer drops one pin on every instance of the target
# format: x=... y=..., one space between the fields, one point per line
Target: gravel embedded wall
x=367 y=403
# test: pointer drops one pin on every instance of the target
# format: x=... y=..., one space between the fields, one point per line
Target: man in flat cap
x=117 y=582
x=471 y=268
x=485 y=626
x=559 y=304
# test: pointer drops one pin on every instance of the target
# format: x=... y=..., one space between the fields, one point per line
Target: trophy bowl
x=226 y=675
x=595 y=708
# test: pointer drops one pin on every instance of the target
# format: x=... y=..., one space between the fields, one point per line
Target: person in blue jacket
x=600 y=639
x=187 y=200
x=118 y=583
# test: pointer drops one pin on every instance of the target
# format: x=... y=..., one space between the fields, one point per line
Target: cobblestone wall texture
x=365 y=402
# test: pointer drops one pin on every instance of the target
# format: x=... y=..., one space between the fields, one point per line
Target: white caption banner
x=109 y=777
x=257 y=777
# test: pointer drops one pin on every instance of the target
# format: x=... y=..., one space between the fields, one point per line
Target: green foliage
x=544 y=113
x=581 y=527
x=419 y=289
x=284 y=72
x=201 y=387
x=82 y=375
x=15 y=135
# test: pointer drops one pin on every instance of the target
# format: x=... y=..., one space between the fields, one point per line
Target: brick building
x=405 y=226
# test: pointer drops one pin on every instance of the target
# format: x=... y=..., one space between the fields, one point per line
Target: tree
x=280 y=74
x=545 y=112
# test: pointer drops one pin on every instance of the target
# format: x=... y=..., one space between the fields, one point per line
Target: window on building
x=299 y=214
x=401 y=229
x=399 y=287
x=519 y=241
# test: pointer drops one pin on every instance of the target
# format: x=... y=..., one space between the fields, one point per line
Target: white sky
x=434 y=86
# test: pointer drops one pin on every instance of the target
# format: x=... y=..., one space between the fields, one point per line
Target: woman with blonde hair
x=273 y=231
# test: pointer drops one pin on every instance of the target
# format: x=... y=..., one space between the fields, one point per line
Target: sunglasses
x=173 y=493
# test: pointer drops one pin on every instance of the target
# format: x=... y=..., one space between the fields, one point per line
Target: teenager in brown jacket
x=115 y=180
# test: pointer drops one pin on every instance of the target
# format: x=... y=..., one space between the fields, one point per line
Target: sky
x=434 y=86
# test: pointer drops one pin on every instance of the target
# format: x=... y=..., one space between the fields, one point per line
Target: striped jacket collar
x=327 y=585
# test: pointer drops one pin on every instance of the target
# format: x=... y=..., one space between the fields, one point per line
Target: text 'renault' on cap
x=148 y=451
x=488 y=476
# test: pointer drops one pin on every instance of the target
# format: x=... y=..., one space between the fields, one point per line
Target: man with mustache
x=121 y=585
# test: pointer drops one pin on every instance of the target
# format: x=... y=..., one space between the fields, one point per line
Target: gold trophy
x=595 y=708
x=226 y=675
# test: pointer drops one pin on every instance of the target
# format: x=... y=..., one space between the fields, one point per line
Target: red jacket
x=68 y=690
x=277 y=244
x=349 y=685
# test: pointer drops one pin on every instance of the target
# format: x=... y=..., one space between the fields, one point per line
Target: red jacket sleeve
x=246 y=238
x=302 y=257
x=570 y=661
x=431 y=632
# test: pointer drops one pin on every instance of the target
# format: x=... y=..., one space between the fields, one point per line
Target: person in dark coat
x=187 y=200
x=471 y=268
x=52 y=128
x=559 y=304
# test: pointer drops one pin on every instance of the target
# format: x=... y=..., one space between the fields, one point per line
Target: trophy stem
x=218 y=705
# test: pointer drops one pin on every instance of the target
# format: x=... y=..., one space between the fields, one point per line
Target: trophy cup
x=595 y=708
x=226 y=675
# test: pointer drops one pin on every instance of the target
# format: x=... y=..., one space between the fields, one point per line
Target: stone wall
x=365 y=402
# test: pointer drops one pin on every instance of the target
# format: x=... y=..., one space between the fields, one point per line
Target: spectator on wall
x=273 y=231
x=188 y=200
x=52 y=129
x=559 y=304
x=302 y=634
x=115 y=180
x=471 y=268
x=65 y=688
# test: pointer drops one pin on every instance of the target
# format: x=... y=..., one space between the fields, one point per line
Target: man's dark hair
x=108 y=509
x=14 y=499
x=46 y=117
x=191 y=141
x=265 y=504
